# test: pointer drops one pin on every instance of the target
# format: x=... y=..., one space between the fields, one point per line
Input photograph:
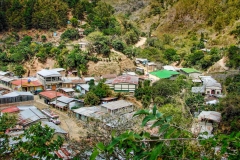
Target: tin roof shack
x=83 y=88
x=191 y=72
x=27 y=85
x=50 y=79
x=169 y=68
x=206 y=120
x=151 y=66
x=87 y=113
x=5 y=73
x=6 y=81
x=67 y=91
x=125 y=83
x=117 y=107
x=30 y=116
x=49 y=96
x=14 y=97
x=58 y=131
x=71 y=82
x=66 y=103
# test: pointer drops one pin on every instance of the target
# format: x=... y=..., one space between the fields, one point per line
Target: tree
x=74 y=22
x=40 y=143
x=19 y=71
x=91 y=99
x=6 y=122
x=195 y=102
x=165 y=88
x=118 y=45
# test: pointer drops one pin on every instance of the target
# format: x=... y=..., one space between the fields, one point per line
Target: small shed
x=85 y=113
x=66 y=103
x=14 y=97
x=57 y=130
x=50 y=95
x=118 y=107
x=67 y=91
x=190 y=72
x=83 y=88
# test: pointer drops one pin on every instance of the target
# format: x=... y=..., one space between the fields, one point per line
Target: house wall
x=194 y=75
x=124 y=87
x=50 y=82
x=119 y=111
x=213 y=91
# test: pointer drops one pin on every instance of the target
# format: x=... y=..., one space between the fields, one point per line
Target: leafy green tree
x=233 y=55
x=3 y=21
x=195 y=102
x=19 y=71
x=6 y=122
x=165 y=88
x=170 y=54
x=43 y=38
x=91 y=99
x=71 y=34
x=74 y=22
x=118 y=45
x=40 y=143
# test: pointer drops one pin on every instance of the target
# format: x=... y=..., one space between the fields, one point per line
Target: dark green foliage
x=195 y=102
x=233 y=84
x=165 y=88
x=71 y=34
x=144 y=93
x=19 y=71
x=130 y=51
x=153 y=54
x=234 y=57
x=3 y=21
x=29 y=14
x=43 y=38
x=74 y=22
x=6 y=122
x=101 y=90
x=40 y=142
x=118 y=45
x=236 y=32
x=230 y=108
x=170 y=54
x=91 y=99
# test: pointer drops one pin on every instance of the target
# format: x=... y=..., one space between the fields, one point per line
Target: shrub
x=71 y=34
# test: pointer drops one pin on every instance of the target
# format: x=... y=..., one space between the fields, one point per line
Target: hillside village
x=120 y=80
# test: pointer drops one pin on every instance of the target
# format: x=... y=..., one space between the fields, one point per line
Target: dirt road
x=69 y=124
x=141 y=42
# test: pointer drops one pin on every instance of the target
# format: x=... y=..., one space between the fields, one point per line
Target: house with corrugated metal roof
x=65 y=103
x=67 y=91
x=125 y=83
x=27 y=85
x=14 y=97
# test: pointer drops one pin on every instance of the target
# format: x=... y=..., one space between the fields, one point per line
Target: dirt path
x=219 y=66
x=141 y=42
x=69 y=124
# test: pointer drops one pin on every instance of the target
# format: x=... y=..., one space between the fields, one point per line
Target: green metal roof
x=190 y=70
x=164 y=73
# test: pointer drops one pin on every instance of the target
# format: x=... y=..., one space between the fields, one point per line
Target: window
x=218 y=92
x=208 y=92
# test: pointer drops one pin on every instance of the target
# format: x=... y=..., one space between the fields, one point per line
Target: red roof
x=10 y=109
x=63 y=153
x=126 y=79
x=51 y=94
x=24 y=82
